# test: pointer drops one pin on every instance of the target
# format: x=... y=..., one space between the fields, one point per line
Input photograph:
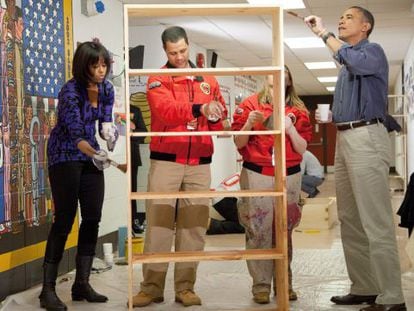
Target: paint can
x=137 y=246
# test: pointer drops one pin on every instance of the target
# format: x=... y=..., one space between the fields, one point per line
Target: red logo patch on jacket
x=205 y=88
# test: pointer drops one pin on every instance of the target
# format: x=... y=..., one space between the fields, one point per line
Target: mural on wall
x=33 y=55
x=409 y=87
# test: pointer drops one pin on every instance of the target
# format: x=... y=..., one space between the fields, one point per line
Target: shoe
x=292 y=295
x=137 y=228
x=262 y=297
x=352 y=299
x=81 y=288
x=377 y=307
x=188 y=298
x=314 y=194
x=143 y=299
x=48 y=297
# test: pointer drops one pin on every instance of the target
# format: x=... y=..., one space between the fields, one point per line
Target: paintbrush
x=312 y=22
x=121 y=167
x=295 y=15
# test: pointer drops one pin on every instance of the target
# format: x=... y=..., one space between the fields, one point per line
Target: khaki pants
x=364 y=209
x=189 y=219
x=256 y=216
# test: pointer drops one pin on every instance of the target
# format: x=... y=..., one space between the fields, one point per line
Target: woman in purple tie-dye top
x=72 y=152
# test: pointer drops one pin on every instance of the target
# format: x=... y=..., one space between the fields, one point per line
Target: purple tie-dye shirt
x=77 y=121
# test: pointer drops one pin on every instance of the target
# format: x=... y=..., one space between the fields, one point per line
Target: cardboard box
x=318 y=214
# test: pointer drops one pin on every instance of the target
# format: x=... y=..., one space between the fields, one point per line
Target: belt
x=352 y=125
x=163 y=156
x=269 y=170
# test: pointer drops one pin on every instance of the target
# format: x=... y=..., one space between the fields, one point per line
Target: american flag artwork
x=35 y=55
x=43 y=46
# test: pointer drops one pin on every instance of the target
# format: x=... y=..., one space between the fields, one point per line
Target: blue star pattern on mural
x=43 y=46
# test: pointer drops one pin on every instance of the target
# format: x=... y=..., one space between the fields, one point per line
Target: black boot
x=48 y=298
x=81 y=289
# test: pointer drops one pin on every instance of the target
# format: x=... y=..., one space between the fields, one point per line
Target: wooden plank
x=233 y=71
x=257 y=254
x=128 y=173
x=151 y=10
x=280 y=209
x=203 y=194
x=204 y=133
x=281 y=266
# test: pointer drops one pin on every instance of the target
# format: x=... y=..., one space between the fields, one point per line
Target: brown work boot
x=143 y=299
x=292 y=295
x=262 y=297
x=188 y=298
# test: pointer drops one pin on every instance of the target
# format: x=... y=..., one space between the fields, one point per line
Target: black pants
x=134 y=186
x=74 y=182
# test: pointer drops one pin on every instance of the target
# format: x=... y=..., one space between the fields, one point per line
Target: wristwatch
x=325 y=36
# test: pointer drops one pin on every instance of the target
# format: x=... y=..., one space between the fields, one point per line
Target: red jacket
x=175 y=101
x=259 y=148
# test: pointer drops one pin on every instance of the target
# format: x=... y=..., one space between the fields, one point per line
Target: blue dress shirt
x=362 y=86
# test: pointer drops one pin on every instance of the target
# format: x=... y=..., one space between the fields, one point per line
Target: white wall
x=108 y=27
x=408 y=63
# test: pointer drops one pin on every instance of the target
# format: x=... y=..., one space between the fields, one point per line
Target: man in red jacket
x=178 y=104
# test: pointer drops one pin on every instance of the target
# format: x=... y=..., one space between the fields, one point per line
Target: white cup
x=107 y=248
x=109 y=259
x=323 y=112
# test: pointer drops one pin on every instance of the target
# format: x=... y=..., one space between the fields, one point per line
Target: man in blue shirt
x=312 y=174
x=362 y=163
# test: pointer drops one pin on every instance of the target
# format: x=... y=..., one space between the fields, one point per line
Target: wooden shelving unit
x=279 y=253
x=397 y=108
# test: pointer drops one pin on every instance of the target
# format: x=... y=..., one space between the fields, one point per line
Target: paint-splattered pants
x=256 y=215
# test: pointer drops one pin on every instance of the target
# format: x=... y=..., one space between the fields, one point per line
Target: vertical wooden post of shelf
x=128 y=154
x=405 y=139
x=280 y=209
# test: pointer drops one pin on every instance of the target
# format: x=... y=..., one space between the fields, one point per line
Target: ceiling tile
x=247 y=41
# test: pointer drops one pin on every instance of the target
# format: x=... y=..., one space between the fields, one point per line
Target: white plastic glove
x=110 y=133
x=106 y=129
x=100 y=160
x=213 y=111
x=254 y=117
x=288 y=124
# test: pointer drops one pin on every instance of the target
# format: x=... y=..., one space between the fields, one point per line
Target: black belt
x=163 y=156
x=259 y=169
x=352 y=125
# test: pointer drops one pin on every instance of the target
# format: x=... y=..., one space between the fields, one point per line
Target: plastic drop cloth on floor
x=318 y=267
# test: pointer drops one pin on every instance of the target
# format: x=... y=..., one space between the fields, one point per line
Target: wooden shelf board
x=136 y=10
x=203 y=194
x=257 y=254
x=232 y=71
x=205 y=133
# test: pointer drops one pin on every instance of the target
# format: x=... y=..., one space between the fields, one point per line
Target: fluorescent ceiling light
x=327 y=79
x=286 y=4
x=304 y=43
x=293 y=4
x=330 y=88
x=320 y=65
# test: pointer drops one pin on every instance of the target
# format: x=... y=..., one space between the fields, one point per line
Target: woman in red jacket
x=256 y=213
